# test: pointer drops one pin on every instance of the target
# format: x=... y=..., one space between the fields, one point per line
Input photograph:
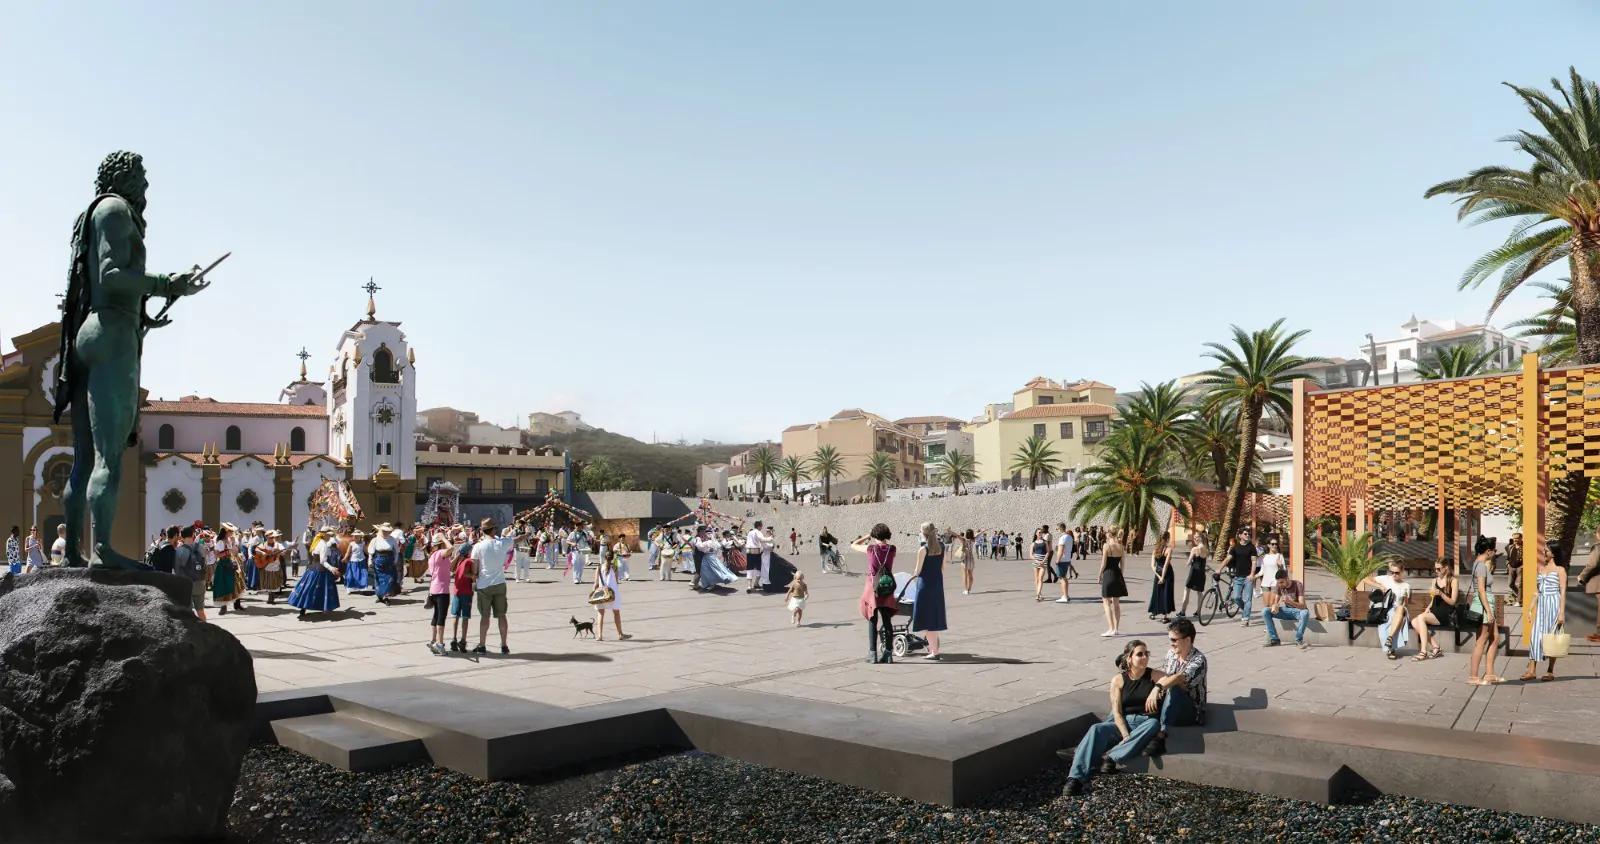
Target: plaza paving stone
x=1003 y=651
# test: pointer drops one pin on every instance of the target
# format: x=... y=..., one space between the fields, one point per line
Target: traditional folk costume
x=708 y=562
x=226 y=584
x=385 y=564
x=416 y=554
x=247 y=548
x=523 y=556
x=270 y=557
x=318 y=589
x=579 y=554
x=356 y=576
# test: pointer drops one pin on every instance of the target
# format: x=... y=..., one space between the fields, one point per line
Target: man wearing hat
x=268 y=560
x=491 y=553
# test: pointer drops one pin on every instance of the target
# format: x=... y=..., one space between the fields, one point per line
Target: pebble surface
x=694 y=797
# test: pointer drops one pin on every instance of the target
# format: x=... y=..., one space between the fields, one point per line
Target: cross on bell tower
x=303 y=356
x=372 y=304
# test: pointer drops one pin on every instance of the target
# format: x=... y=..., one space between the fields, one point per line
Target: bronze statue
x=102 y=338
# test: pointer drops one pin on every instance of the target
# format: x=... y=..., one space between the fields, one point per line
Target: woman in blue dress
x=385 y=563
x=712 y=571
x=355 y=568
x=927 y=614
x=1550 y=613
x=317 y=589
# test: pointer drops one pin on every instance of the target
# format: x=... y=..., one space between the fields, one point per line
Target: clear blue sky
x=595 y=206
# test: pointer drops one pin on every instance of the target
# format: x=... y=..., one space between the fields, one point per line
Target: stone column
x=283 y=501
x=211 y=495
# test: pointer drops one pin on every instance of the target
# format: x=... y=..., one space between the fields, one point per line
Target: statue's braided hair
x=117 y=166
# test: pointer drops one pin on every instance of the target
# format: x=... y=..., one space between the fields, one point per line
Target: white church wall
x=171 y=473
x=247 y=474
x=257 y=434
x=379 y=417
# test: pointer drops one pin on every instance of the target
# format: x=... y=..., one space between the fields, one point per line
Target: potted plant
x=1352 y=561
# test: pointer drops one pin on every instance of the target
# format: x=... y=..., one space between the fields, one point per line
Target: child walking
x=798 y=592
x=466 y=578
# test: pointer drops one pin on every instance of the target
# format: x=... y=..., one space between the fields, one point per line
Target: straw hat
x=275 y=534
x=230 y=527
x=385 y=527
x=358 y=533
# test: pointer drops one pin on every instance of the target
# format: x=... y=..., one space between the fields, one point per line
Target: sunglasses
x=1141 y=653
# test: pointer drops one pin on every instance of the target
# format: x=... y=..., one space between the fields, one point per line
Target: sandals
x=1549 y=675
x=1530 y=676
x=1422 y=657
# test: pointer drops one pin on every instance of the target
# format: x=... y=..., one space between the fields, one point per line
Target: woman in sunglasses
x=1135 y=702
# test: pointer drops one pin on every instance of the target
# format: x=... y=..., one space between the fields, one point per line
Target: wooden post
x=1344 y=513
x=1297 y=498
x=1535 y=487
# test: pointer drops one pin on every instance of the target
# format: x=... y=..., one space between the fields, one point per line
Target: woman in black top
x=1112 y=587
x=1135 y=701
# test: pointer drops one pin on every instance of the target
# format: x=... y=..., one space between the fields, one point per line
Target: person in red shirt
x=463 y=582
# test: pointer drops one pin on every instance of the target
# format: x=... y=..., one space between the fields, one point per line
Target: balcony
x=1093 y=437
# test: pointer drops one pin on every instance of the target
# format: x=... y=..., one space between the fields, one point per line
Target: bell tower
x=372 y=407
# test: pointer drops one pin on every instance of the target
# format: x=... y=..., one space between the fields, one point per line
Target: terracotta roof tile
x=1045 y=411
x=192 y=406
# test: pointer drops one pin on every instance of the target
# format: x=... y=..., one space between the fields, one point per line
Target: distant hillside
x=652 y=467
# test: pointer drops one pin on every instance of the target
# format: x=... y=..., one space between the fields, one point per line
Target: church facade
x=218 y=461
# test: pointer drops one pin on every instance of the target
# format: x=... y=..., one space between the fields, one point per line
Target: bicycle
x=1218 y=597
x=833 y=562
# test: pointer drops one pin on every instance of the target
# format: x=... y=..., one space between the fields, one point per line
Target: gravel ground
x=695 y=797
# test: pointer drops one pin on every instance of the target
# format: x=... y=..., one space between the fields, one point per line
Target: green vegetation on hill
x=663 y=468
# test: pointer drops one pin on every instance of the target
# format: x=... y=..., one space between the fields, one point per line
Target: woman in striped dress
x=1550 y=613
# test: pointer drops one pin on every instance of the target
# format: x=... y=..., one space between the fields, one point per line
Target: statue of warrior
x=102 y=337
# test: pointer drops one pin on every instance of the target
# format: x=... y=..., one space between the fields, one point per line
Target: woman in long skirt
x=225 y=581
x=416 y=555
x=711 y=570
x=385 y=564
x=1161 y=589
x=927 y=614
x=356 y=576
x=1549 y=614
x=270 y=558
x=317 y=589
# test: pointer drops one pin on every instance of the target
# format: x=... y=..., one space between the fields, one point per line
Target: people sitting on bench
x=1135 y=702
x=1184 y=684
x=1286 y=601
x=1441 y=611
x=1389 y=613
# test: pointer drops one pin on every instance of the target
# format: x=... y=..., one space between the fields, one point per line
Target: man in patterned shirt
x=1184 y=686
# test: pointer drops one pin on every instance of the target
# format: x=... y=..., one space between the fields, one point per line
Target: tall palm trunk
x=794 y=487
x=827 y=489
x=1568 y=495
x=1249 y=424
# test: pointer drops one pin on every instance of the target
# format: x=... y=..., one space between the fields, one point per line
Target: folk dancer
x=416 y=555
x=268 y=560
x=758 y=556
x=247 y=555
x=356 y=576
x=707 y=553
x=384 y=556
x=226 y=582
x=318 y=590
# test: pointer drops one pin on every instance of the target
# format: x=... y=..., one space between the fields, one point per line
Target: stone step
x=345 y=741
x=1278 y=774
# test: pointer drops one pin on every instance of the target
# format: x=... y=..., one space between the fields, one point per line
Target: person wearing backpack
x=189 y=560
x=878 y=603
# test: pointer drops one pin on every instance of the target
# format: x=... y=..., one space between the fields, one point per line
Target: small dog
x=582 y=627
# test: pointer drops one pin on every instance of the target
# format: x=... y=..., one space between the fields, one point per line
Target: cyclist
x=828 y=545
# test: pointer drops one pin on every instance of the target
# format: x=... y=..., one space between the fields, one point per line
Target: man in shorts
x=1063 y=560
x=490 y=555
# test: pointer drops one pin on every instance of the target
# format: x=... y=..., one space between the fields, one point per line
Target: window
x=388 y=448
x=383 y=371
x=935 y=451
x=164 y=438
x=1038 y=430
x=475 y=485
x=1047 y=399
x=508 y=486
x=1094 y=432
x=1066 y=430
x=377 y=449
x=1383 y=361
x=232 y=438
x=1272 y=479
x=1405 y=354
x=541 y=487
x=297 y=439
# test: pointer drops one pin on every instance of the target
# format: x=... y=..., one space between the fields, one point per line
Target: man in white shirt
x=58 y=549
x=1063 y=561
x=491 y=554
x=757 y=556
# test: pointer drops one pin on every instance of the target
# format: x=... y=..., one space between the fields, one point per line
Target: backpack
x=884 y=585
x=190 y=562
x=1378 y=606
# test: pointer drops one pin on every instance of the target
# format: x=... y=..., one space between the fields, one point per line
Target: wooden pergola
x=1492 y=443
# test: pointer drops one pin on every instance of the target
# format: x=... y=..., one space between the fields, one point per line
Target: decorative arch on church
x=231 y=440
x=165 y=438
x=297 y=439
x=383 y=371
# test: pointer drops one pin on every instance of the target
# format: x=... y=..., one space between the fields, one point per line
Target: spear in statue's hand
x=197 y=282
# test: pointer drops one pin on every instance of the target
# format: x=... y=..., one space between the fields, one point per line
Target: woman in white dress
x=605 y=575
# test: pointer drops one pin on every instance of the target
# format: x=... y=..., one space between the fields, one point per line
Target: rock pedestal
x=123 y=717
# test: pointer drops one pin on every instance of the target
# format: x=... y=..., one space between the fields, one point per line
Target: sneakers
x=1063 y=601
x=933 y=657
x=1247 y=621
x=1074 y=788
x=1301 y=644
x=480 y=650
x=1273 y=643
x=625 y=636
x=966 y=591
x=1108 y=767
x=505 y=649
x=1107 y=634
x=1156 y=747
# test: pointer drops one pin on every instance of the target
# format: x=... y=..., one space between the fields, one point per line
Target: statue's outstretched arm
x=121 y=260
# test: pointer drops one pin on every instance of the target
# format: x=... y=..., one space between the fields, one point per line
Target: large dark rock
x=122 y=716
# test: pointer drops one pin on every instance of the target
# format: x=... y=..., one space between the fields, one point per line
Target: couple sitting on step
x=1145 y=703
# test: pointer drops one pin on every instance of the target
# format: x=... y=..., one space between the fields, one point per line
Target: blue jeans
x=1298 y=616
x=1177 y=709
x=1243 y=593
x=1105 y=739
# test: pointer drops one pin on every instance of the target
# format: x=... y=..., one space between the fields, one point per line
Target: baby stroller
x=905 y=592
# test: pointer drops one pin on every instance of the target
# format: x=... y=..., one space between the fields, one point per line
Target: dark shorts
x=1061 y=567
x=197 y=595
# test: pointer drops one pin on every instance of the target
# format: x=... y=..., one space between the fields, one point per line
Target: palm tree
x=1211 y=448
x=826 y=465
x=1556 y=203
x=1124 y=486
x=879 y=474
x=1462 y=361
x=793 y=470
x=1253 y=375
x=1555 y=328
x=763 y=462
x=1036 y=457
x=955 y=469
x=1162 y=413
x=1351 y=560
